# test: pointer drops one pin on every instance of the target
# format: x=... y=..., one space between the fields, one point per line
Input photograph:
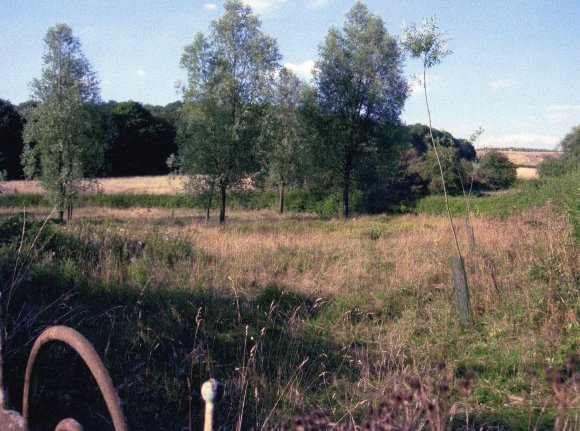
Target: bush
x=495 y=171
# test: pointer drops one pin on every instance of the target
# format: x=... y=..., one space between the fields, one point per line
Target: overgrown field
x=291 y=313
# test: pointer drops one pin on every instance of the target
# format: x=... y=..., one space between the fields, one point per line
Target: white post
x=211 y=392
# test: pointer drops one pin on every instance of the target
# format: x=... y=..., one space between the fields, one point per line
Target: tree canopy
x=11 y=143
x=139 y=143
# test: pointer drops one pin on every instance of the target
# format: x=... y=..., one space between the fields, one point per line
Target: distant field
x=153 y=185
x=527 y=173
x=526 y=161
x=524 y=158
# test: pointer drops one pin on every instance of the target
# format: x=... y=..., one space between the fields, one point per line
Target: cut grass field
x=294 y=313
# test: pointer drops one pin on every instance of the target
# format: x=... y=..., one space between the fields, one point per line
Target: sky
x=514 y=70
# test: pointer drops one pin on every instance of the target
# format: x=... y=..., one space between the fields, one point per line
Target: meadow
x=299 y=312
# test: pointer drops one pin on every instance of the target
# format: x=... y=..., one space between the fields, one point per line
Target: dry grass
x=382 y=286
x=154 y=185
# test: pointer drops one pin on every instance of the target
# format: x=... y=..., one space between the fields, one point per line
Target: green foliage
x=360 y=89
x=284 y=148
x=454 y=172
x=570 y=145
x=562 y=191
x=426 y=42
x=139 y=143
x=62 y=139
x=495 y=171
x=570 y=161
x=11 y=144
x=420 y=139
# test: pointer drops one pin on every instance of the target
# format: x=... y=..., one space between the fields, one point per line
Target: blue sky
x=515 y=67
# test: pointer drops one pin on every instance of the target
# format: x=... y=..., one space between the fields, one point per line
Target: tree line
x=243 y=116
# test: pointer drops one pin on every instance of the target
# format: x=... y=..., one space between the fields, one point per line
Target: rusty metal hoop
x=87 y=352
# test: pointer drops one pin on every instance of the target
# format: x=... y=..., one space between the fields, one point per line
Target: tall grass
x=292 y=314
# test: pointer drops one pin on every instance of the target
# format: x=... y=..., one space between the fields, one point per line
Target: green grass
x=563 y=192
x=295 y=200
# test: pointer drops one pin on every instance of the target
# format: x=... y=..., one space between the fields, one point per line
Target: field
x=527 y=173
x=299 y=312
x=152 y=185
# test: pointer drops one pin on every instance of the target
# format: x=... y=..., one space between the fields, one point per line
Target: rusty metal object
x=87 y=352
x=211 y=392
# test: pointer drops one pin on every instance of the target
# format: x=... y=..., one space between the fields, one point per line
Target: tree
x=429 y=45
x=229 y=76
x=11 y=144
x=420 y=139
x=570 y=145
x=140 y=143
x=284 y=137
x=62 y=144
x=453 y=170
x=495 y=171
x=361 y=89
x=570 y=159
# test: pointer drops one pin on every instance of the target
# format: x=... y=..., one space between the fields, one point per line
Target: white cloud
x=261 y=6
x=303 y=70
x=317 y=4
x=210 y=6
x=415 y=86
x=141 y=73
x=562 y=113
x=500 y=84
x=434 y=84
x=519 y=141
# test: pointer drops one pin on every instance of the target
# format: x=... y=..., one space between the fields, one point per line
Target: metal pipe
x=87 y=352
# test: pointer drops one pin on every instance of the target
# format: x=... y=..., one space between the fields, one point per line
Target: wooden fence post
x=461 y=290
x=469 y=233
x=211 y=392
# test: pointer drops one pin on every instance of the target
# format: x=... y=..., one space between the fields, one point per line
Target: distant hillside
x=525 y=159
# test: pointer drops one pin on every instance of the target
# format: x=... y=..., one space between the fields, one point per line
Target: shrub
x=495 y=171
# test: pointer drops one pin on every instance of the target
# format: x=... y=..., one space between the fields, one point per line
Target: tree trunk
x=281 y=208
x=222 y=204
x=461 y=289
x=346 y=191
x=209 y=203
x=61 y=215
x=69 y=213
